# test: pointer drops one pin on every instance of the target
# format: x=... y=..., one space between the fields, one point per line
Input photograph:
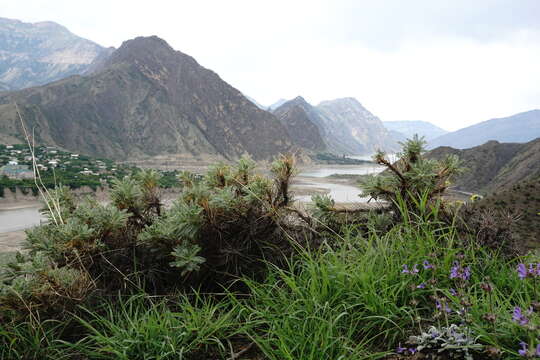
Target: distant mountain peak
x=38 y=53
x=518 y=128
x=277 y=104
x=342 y=101
x=144 y=50
x=406 y=129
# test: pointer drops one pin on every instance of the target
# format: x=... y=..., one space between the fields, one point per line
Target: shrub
x=413 y=181
x=221 y=227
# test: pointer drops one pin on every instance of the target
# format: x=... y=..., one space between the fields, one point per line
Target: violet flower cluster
x=524 y=351
x=532 y=271
x=459 y=272
x=405 y=351
x=520 y=317
x=415 y=270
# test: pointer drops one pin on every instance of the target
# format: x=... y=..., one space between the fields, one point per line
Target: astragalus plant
x=222 y=226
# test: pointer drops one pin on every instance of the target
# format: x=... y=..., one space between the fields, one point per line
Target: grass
x=6 y=257
x=348 y=300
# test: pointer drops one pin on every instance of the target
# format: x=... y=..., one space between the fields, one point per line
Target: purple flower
x=538 y=350
x=438 y=305
x=523 y=351
x=532 y=271
x=519 y=317
x=413 y=351
x=459 y=272
x=454 y=271
x=421 y=286
x=405 y=269
x=522 y=271
x=453 y=292
x=466 y=273
x=412 y=271
x=400 y=349
x=427 y=265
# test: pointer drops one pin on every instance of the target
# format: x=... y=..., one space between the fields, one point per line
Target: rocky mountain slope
x=146 y=99
x=517 y=128
x=360 y=124
x=343 y=125
x=38 y=53
x=521 y=199
x=495 y=166
x=407 y=129
x=299 y=118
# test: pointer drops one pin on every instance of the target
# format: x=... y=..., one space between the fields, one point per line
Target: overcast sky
x=450 y=62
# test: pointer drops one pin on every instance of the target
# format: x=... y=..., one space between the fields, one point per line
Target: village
x=59 y=167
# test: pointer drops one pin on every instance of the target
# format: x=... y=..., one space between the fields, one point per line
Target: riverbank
x=11 y=241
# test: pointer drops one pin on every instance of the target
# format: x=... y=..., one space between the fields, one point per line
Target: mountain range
x=38 y=53
x=146 y=99
x=517 y=128
x=344 y=126
x=402 y=130
x=494 y=166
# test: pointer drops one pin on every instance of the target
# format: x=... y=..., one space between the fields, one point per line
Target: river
x=19 y=218
x=342 y=190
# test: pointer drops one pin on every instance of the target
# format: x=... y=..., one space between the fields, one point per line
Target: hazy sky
x=451 y=62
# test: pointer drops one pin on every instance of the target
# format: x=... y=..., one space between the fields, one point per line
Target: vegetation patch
x=234 y=271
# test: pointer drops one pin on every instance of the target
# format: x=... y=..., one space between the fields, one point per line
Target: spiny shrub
x=413 y=180
x=222 y=226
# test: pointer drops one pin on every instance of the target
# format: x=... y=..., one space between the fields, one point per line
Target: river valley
x=15 y=217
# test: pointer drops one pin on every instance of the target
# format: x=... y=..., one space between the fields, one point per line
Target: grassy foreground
x=234 y=271
x=359 y=297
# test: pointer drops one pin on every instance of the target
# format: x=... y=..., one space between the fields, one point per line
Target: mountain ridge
x=38 y=53
x=407 y=129
x=521 y=128
x=494 y=166
x=146 y=99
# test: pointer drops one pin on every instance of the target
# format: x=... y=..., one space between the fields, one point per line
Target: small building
x=13 y=162
x=16 y=171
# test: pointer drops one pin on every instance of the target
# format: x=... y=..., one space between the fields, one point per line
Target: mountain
x=299 y=118
x=277 y=104
x=523 y=199
x=256 y=103
x=38 y=53
x=343 y=126
x=494 y=166
x=146 y=100
x=407 y=129
x=518 y=128
x=360 y=124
